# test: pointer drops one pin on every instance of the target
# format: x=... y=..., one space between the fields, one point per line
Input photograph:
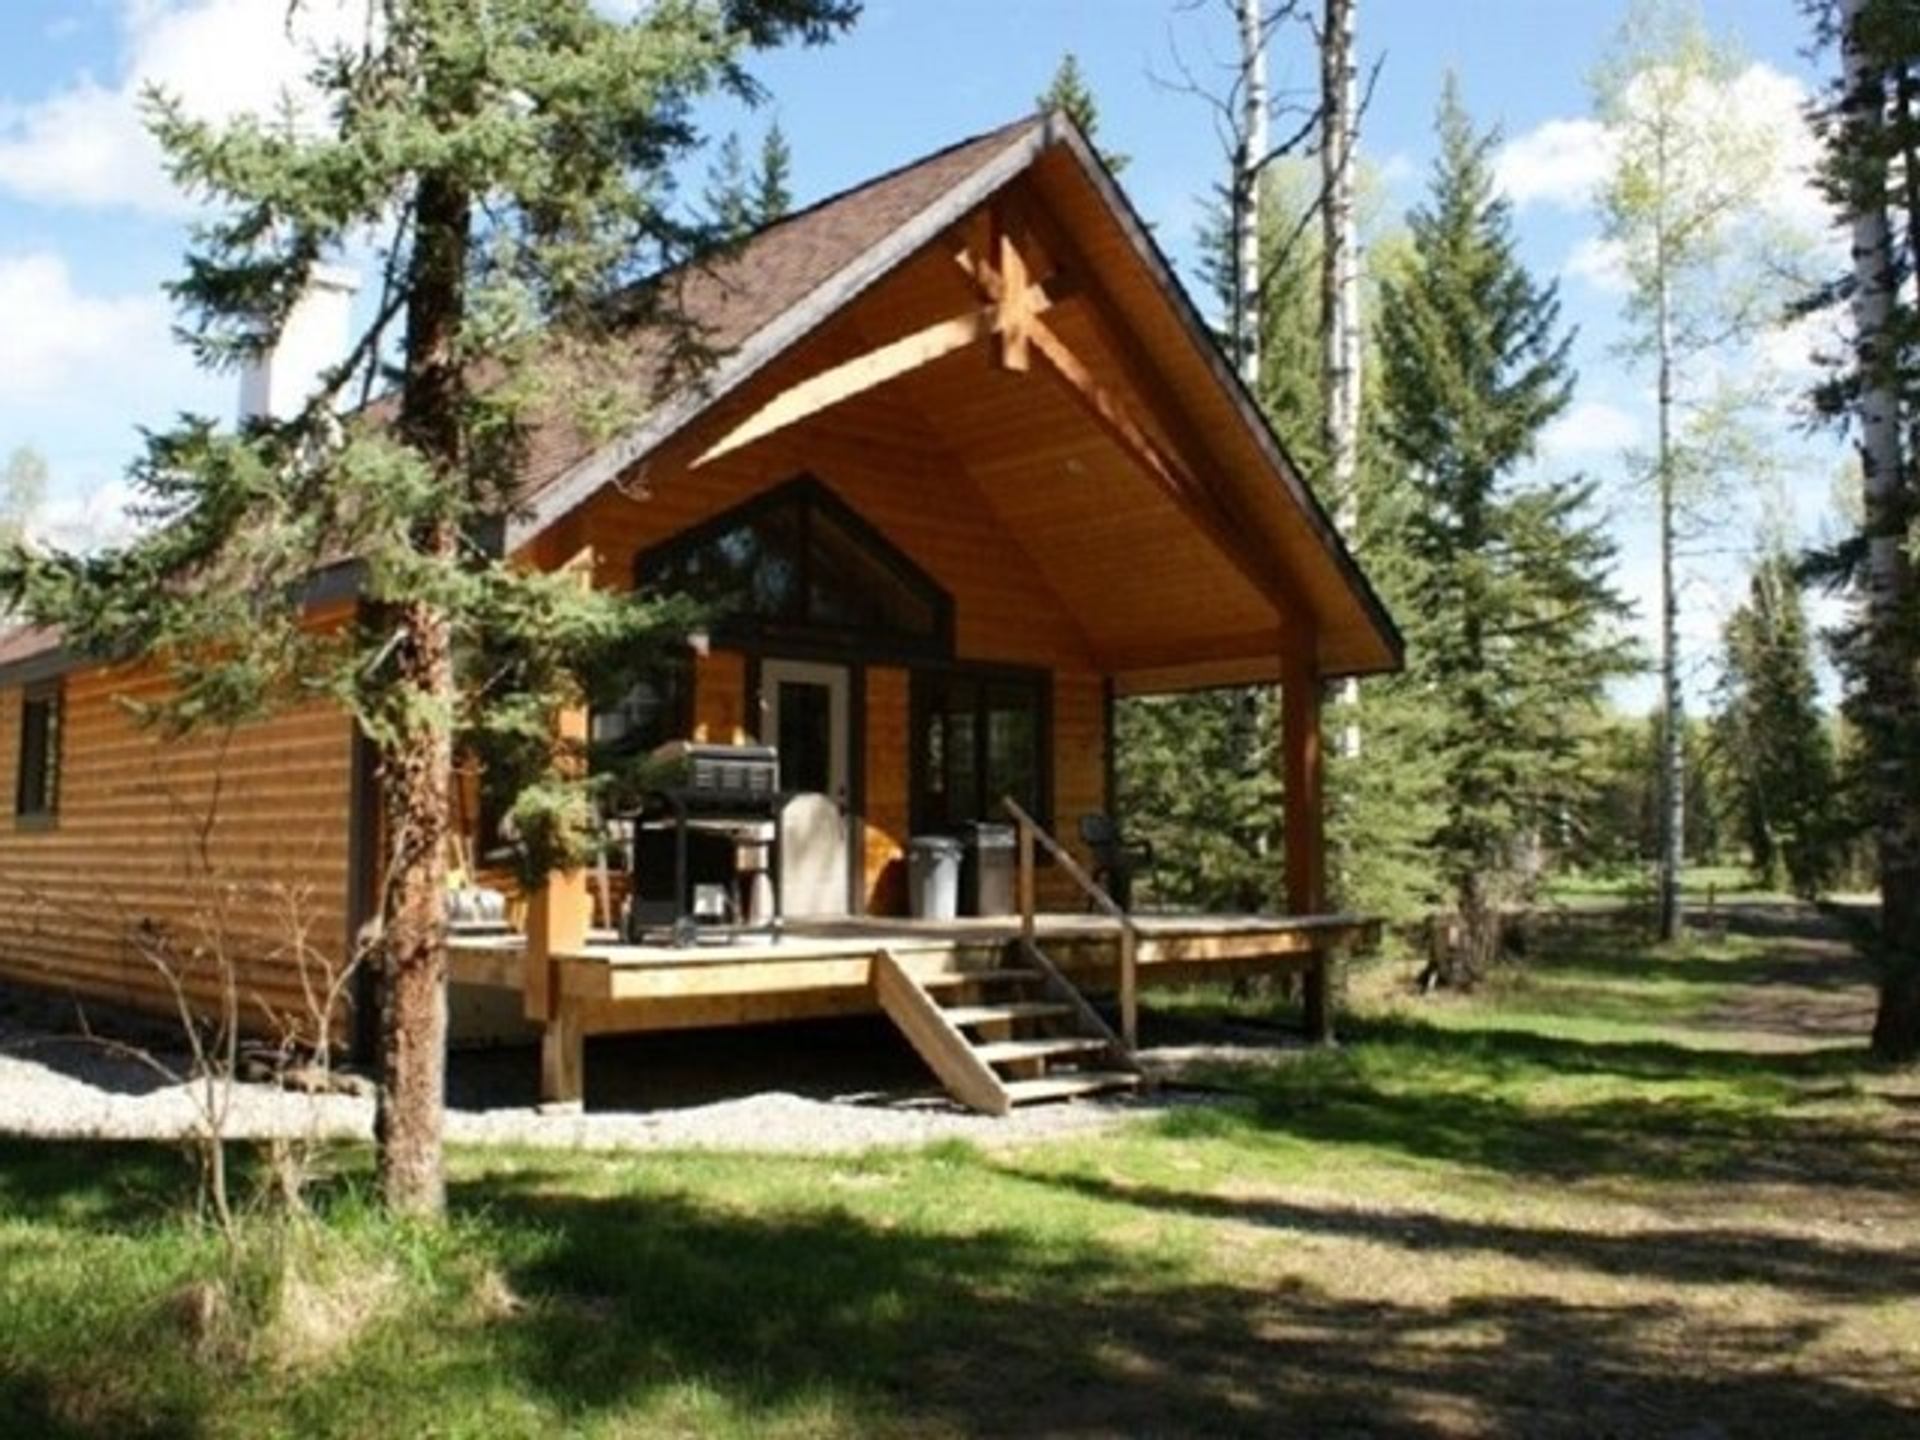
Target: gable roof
x=786 y=281
x=755 y=304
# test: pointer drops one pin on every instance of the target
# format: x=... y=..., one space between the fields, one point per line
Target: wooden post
x=1304 y=802
x=1129 y=985
x=559 y=914
x=1027 y=887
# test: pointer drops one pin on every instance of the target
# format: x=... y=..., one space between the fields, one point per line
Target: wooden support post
x=1129 y=985
x=559 y=914
x=563 y=1064
x=1304 y=805
x=1027 y=884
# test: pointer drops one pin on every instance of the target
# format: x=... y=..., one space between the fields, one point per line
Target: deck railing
x=1032 y=834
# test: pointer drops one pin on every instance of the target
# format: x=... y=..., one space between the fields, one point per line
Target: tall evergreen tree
x=519 y=158
x=1772 y=738
x=1510 y=596
x=773 y=183
x=1068 y=93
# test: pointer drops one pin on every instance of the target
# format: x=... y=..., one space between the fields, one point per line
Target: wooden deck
x=824 y=968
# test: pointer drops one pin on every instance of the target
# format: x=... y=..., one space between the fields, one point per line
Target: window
x=978 y=736
x=37 y=794
x=658 y=708
x=798 y=565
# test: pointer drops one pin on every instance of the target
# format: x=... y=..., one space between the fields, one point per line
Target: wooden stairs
x=1015 y=1034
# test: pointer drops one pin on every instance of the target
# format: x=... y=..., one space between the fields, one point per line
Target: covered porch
x=972 y=473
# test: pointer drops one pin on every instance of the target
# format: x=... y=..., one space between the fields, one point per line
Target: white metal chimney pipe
x=278 y=383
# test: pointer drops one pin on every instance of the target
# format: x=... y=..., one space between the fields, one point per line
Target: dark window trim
x=918 y=702
x=847 y=644
x=47 y=815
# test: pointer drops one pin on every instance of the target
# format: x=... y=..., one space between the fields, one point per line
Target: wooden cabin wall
x=720 y=698
x=125 y=855
x=879 y=456
x=889 y=724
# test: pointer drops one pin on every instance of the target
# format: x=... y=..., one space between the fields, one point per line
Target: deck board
x=823 y=967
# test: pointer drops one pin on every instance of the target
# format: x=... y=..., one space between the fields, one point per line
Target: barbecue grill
x=709 y=804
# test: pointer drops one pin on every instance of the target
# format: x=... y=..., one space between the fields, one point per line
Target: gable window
x=798 y=565
x=978 y=736
x=37 y=787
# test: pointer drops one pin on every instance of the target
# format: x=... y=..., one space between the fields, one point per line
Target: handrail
x=1030 y=831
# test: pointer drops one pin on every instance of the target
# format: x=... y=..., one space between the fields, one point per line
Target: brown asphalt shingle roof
x=733 y=298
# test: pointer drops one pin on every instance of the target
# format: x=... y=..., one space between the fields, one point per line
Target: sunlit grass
x=1581 y=1201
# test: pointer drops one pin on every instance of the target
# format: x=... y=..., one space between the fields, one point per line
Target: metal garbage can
x=987 y=876
x=933 y=876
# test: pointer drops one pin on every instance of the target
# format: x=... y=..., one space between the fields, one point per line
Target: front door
x=805 y=705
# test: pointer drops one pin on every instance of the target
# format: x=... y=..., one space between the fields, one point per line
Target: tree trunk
x=1339 y=271
x=1673 y=703
x=1248 y=164
x=1340 y=299
x=1891 y=701
x=416 y=767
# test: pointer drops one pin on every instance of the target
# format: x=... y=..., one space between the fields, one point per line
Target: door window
x=806 y=736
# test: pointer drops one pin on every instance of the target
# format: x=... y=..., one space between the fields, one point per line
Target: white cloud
x=58 y=337
x=1563 y=161
x=87 y=144
x=1560 y=162
x=82 y=523
x=1397 y=169
x=1600 y=263
x=1589 y=427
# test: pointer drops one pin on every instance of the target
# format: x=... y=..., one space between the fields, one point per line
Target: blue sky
x=88 y=231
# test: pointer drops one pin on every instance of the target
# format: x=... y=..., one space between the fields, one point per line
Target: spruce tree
x=1771 y=737
x=517 y=159
x=1068 y=93
x=1510 y=600
x=773 y=183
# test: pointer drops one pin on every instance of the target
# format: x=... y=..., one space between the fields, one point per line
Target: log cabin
x=970 y=468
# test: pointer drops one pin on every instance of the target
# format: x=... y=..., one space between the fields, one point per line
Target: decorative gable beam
x=1012 y=305
x=842 y=382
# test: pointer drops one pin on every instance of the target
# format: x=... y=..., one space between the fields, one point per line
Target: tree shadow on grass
x=1471 y=1098
x=991 y=1332
x=823 y=1319
x=1679 y=1255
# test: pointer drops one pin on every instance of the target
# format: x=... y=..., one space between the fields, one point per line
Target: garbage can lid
x=935 y=844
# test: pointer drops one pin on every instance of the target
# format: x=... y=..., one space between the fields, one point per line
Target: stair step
x=954 y=979
x=999 y=1052
x=1065 y=1087
x=1009 y=1010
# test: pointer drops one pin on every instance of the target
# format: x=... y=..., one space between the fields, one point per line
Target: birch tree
x=1675 y=208
x=1872 y=173
x=1339 y=255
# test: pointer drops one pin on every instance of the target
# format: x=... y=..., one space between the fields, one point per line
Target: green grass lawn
x=1623 y=1192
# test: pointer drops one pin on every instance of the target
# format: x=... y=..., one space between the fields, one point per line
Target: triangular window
x=798 y=564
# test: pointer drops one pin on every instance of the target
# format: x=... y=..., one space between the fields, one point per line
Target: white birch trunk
x=1340 y=297
x=1246 y=207
x=1891 y=701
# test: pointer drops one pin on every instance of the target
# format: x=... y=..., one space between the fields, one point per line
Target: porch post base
x=1316 y=1007
x=563 y=1067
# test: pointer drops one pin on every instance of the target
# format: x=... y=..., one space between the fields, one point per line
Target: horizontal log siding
x=120 y=859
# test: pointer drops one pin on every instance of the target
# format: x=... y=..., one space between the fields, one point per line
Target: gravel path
x=61 y=1087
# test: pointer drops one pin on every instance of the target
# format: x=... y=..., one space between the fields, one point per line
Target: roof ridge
x=848 y=192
